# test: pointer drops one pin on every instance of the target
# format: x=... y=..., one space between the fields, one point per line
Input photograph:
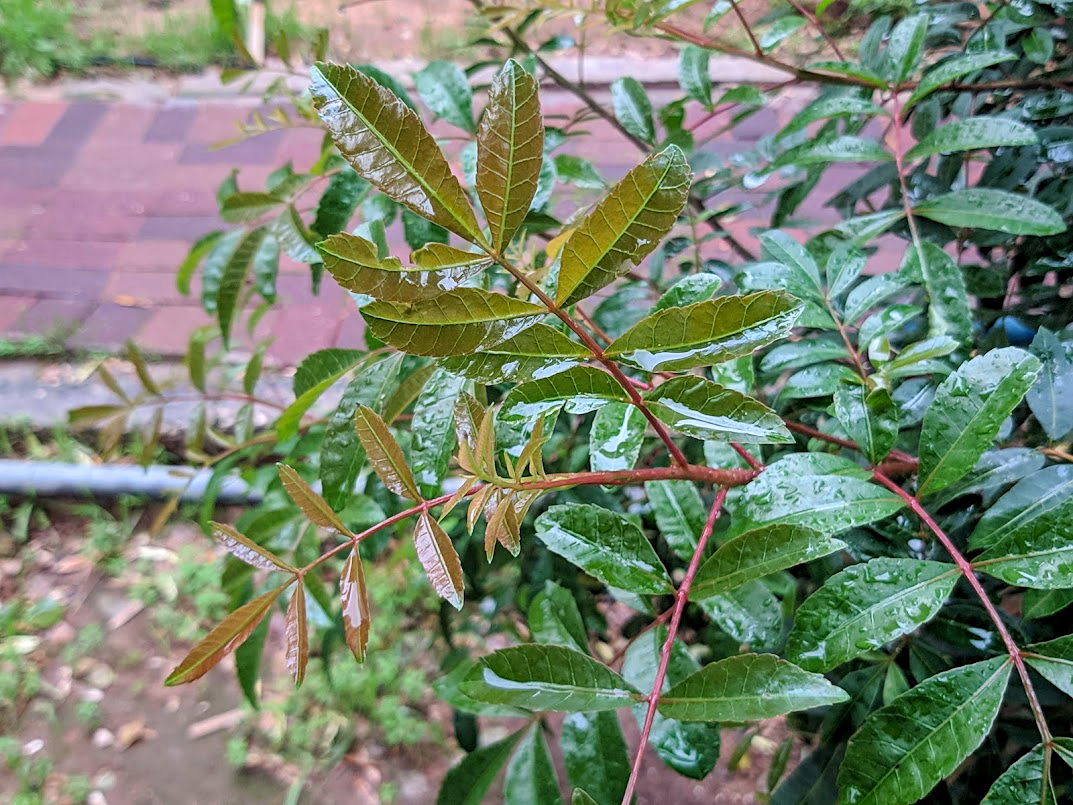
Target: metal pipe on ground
x=156 y=482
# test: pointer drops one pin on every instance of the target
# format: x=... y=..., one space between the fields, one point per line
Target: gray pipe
x=53 y=479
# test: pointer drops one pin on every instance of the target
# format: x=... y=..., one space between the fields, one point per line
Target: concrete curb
x=599 y=72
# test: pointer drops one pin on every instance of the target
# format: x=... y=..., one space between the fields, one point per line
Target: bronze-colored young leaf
x=355 y=601
x=356 y=266
x=389 y=146
x=222 y=640
x=312 y=505
x=440 y=560
x=706 y=333
x=297 y=634
x=510 y=151
x=458 y=322
x=242 y=547
x=625 y=226
x=384 y=453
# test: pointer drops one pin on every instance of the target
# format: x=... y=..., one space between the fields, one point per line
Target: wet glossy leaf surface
x=948 y=311
x=604 y=545
x=1037 y=505
x=595 y=757
x=510 y=150
x=445 y=90
x=625 y=226
x=385 y=454
x=439 y=559
x=632 y=109
x=906 y=748
x=688 y=290
x=223 y=639
x=745 y=688
x=971 y=134
x=581 y=389
x=535 y=353
x=296 y=634
x=954 y=68
x=1050 y=395
x=870 y=419
x=866 y=606
x=542 y=677
x=618 y=429
x=388 y=145
x=986 y=208
x=354 y=598
x=1026 y=781
x=312 y=504
x=458 y=322
x=554 y=618
x=530 y=774
x=706 y=410
x=680 y=514
x=468 y=781
x=759 y=553
x=847 y=148
x=750 y=615
x=1054 y=660
x=356 y=266
x=433 y=431
x=690 y=748
x=707 y=332
x=968 y=411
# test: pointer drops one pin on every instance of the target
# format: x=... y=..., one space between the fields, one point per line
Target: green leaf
x=305 y=498
x=230 y=633
x=971 y=134
x=530 y=774
x=846 y=148
x=554 y=618
x=823 y=108
x=457 y=322
x=705 y=410
x=440 y=560
x=869 y=418
x=987 y=208
x=812 y=782
x=467 y=781
x=341 y=453
x=780 y=29
x=1041 y=603
x=855 y=71
x=948 y=311
x=806 y=352
x=968 y=411
x=594 y=754
x=750 y=615
x=535 y=353
x=691 y=749
x=605 y=545
x=680 y=514
x=708 y=332
x=906 y=44
x=1040 y=561
x=625 y=226
x=384 y=453
x=388 y=146
x=356 y=266
x=870 y=293
x=693 y=75
x=955 y=68
x=1027 y=780
x=866 y=606
x=904 y=749
x=433 y=433
x=291 y=235
x=581 y=389
x=844 y=266
x=805 y=274
x=314 y=375
x=759 y=553
x=233 y=279
x=240 y=208
x=1049 y=396
x=542 y=677
x=632 y=109
x=1038 y=45
x=510 y=151
x=336 y=206
x=445 y=90
x=618 y=429
x=747 y=687
x=826 y=494
x=688 y=290
x=1054 y=660
x=1037 y=505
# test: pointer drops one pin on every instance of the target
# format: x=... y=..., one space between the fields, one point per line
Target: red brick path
x=99 y=202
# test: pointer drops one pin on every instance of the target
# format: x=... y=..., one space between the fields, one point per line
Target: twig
x=815 y=21
x=672 y=631
x=748 y=29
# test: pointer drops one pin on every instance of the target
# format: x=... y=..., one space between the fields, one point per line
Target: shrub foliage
x=819 y=486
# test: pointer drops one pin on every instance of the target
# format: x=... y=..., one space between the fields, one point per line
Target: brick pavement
x=99 y=202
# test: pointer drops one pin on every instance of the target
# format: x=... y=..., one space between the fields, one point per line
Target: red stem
x=672 y=631
x=966 y=568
